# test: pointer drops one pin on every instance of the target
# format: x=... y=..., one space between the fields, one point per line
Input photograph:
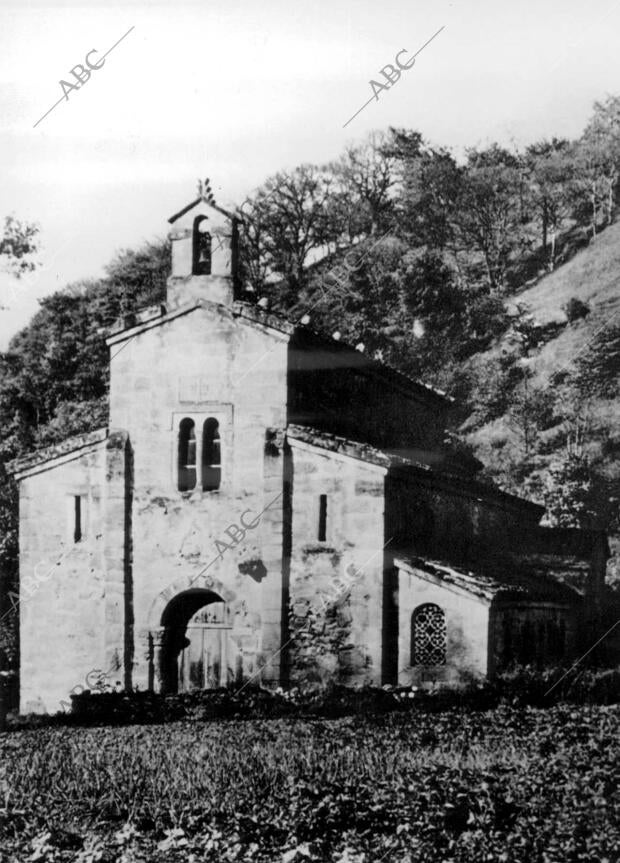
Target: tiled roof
x=337 y=444
x=366 y=452
x=154 y=316
x=69 y=446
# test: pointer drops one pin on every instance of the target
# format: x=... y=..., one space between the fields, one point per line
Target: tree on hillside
x=531 y=411
x=550 y=169
x=18 y=245
x=596 y=165
x=489 y=210
x=566 y=490
x=254 y=264
x=137 y=277
x=362 y=198
x=365 y=303
x=598 y=366
x=288 y=219
x=61 y=356
x=599 y=148
x=576 y=493
x=430 y=199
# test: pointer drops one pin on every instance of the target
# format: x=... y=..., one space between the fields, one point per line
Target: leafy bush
x=598 y=367
x=252 y=702
x=576 y=309
x=529 y=686
x=520 y=686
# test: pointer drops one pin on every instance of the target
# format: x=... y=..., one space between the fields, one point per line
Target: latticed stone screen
x=428 y=636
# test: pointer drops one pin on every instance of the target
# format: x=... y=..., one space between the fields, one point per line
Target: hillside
x=573 y=419
x=592 y=276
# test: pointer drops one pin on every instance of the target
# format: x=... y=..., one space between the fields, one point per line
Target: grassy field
x=505 y=785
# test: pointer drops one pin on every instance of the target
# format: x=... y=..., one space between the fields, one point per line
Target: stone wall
x=451 y=519
x=63 y=582
x=341 y=577
x=204 y=363
x=467 y=630
x=538 y=634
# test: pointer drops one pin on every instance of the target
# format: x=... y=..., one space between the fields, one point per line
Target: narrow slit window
x=211 y=455
x=77 y=518
x=322 y=518
x=187 y=455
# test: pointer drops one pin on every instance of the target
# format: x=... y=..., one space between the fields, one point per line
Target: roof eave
x=66 y=450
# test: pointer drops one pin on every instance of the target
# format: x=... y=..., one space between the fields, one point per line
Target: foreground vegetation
x=513 y=784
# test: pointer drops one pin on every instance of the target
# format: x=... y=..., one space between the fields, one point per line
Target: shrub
x=598 y=367
x=521 y=686
x=541 y=688
x=576 y=309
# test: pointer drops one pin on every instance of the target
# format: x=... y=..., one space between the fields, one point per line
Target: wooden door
x=203 y=664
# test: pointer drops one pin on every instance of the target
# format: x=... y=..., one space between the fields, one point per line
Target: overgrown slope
x=556 y=436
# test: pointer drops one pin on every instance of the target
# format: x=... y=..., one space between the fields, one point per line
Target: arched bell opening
x=201 y=247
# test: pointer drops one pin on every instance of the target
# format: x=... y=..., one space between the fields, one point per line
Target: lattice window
x=428 y=635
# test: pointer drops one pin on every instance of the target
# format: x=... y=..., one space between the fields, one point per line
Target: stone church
x=256 y=473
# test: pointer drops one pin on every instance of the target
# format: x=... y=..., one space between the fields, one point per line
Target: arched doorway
x=195 y=646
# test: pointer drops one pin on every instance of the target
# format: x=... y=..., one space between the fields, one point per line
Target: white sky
x=238 y=90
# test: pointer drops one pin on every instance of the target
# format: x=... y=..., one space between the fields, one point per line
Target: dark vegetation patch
x=519 y=687
x=512 y=784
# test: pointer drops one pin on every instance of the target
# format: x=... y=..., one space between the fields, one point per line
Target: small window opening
x=322 y=517
x=428 y=635
x=77 y=523
x=201 y=243
x=187 y=455
x=211 y=456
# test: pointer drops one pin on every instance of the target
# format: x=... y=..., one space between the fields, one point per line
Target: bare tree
x=366 y=176
x=284 y=222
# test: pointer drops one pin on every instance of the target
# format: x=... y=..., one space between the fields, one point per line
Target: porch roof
x=491 y=582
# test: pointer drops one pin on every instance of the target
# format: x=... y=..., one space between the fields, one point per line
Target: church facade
x=259 y=482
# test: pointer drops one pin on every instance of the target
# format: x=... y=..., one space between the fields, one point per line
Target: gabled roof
x=155 y=316
x=205 y=196
x=409 y=469
x=499 y=584
x=337 y=444
x=316 y=340
x=66 y=450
